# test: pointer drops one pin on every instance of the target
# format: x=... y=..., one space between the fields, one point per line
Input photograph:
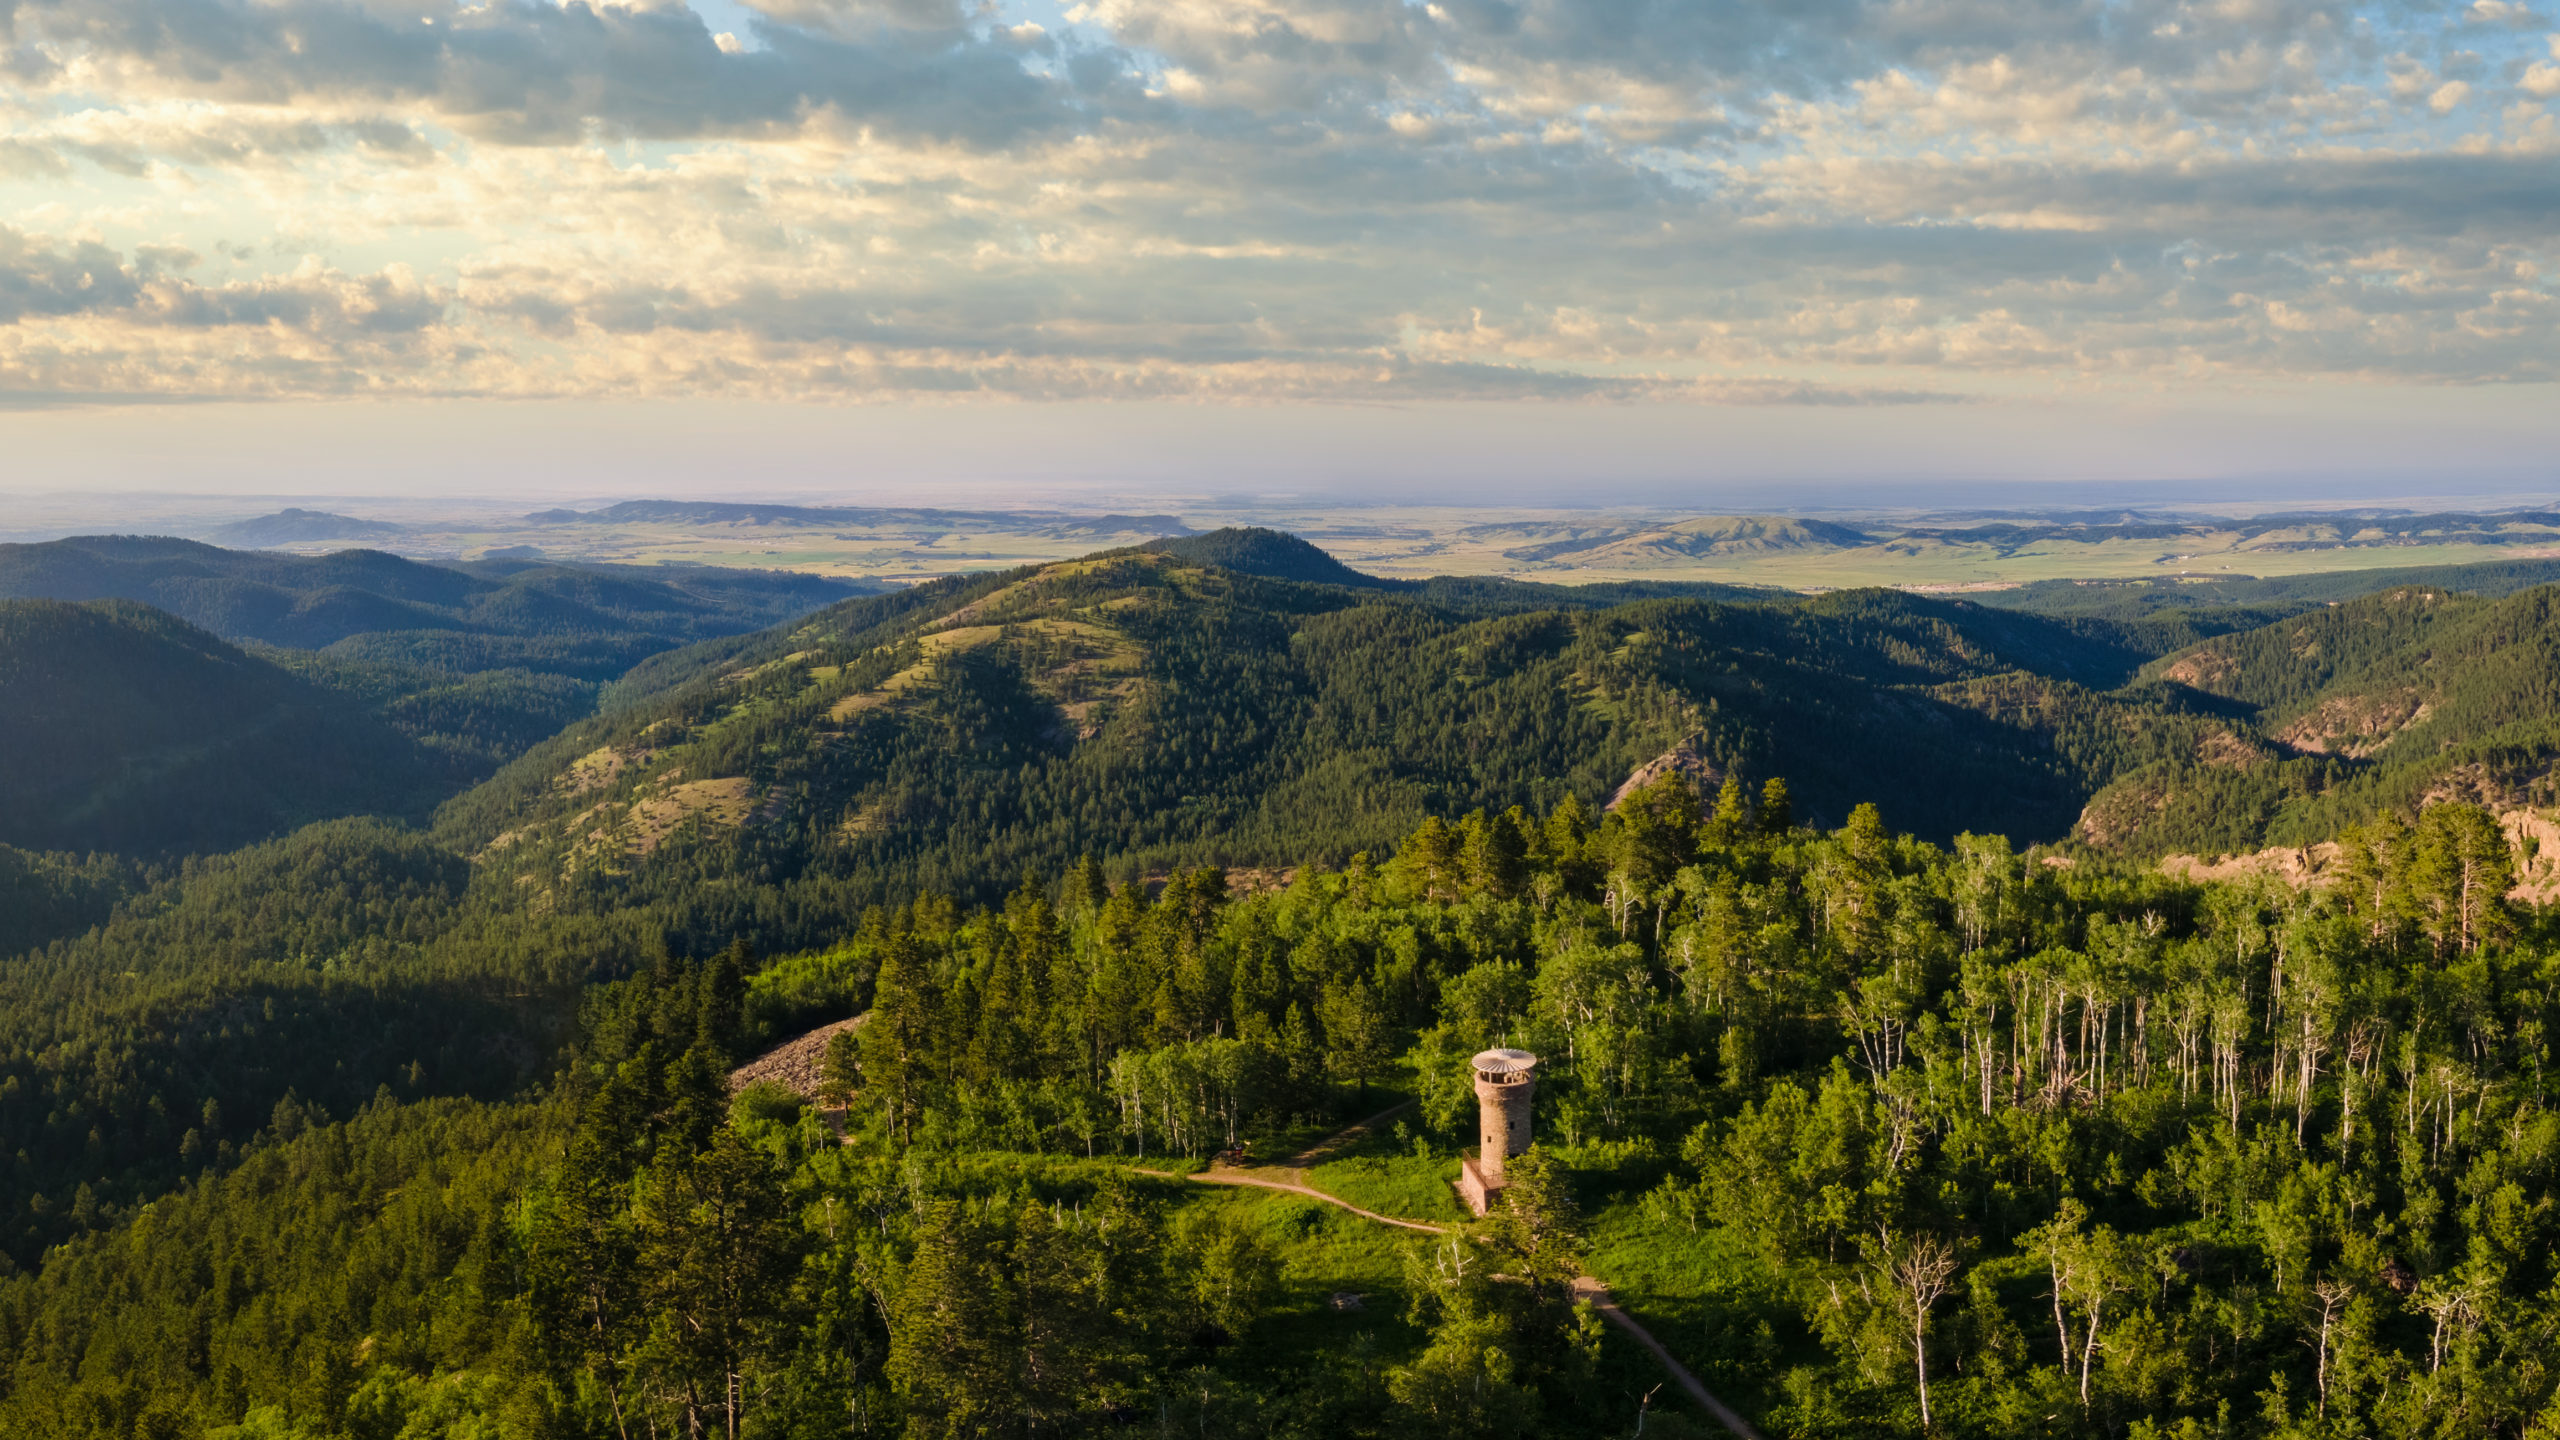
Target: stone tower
x=1503 y=1087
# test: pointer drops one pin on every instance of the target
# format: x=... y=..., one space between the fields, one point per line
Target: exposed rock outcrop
x=797 y=1064
x=1684 y=758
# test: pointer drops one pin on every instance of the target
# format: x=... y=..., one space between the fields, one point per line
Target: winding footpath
x=796 y=1062
x=1585 y=1287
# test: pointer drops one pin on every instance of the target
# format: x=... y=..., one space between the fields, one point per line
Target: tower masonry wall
x=1504 y=1086
x=1503 y=1109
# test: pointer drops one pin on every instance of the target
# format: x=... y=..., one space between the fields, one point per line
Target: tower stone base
x=1475 y=1187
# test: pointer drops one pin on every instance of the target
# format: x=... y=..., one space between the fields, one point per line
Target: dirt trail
x=1585 y=1287
x=1601 y=1300
x=1325 y=1149
x=796 y=1063
x=1239 y=1177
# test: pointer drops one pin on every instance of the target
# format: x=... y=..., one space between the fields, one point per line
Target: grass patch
x=1325 y=1251
x=1277 y=1146
x=1706 y=1299
x=1409 y=1187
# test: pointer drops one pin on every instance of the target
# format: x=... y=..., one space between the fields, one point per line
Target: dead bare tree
x=2332 y=1297
x=1921 y=1270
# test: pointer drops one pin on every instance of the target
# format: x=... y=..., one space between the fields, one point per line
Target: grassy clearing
x=1700 y=1297
x=1409 y=1187
x=725 y=803
x=1681 y=1286
x=1327 y=1251
x=1279 y=1146
x=1392 y=1171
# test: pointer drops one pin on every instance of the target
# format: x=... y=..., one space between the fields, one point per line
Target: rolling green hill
x=1271 y=554
x=474 y=661
x=1157 y=711
x=586 y=620
x=127 y=729
x=377 y=1132
x=1159 y=707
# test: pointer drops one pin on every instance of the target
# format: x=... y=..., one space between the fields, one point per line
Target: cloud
x=1829 y=201
x=2542 y=78
x=39 y=279
x=532 y=72
x=46 y=279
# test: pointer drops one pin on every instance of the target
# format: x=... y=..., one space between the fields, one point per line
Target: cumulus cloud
x=1823 y=201
x=532 y=72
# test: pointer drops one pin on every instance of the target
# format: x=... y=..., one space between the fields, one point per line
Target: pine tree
x=1493 y=852
x=840 y=1073
x=1730 y=821
x=583 y=1283
x=1430 y=858
x=1777 y=814
x=2460 y=875
x=1356 y=1032
x=718 y=1244
x=720 y=1012
x=2374 y=861
x=899 y=1038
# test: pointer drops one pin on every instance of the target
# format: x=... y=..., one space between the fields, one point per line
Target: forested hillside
x=323 y=966
x=47 y=895
x=2372 y=705
x=1882 y=1138
x=1163 y=712
x=474 y=663
x=556 y=616
x=126 y=729
x=387 y=1132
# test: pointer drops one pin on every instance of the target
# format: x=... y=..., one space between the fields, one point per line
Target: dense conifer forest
x=1882 y=1124
x=130 y=730
x=1884 y=1137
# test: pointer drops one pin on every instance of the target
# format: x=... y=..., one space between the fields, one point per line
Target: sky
x=1530 y=245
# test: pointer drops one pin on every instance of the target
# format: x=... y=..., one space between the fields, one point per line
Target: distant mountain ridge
x=2271 y=597
x=1605 y=543
x=1600 y=547
x=302 y=527
x=1245 y=698
x=472 y=662
x=2249 y=722
x=308 y=602
x=2266 y=534
x=1242 y=697
x=724 y=512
